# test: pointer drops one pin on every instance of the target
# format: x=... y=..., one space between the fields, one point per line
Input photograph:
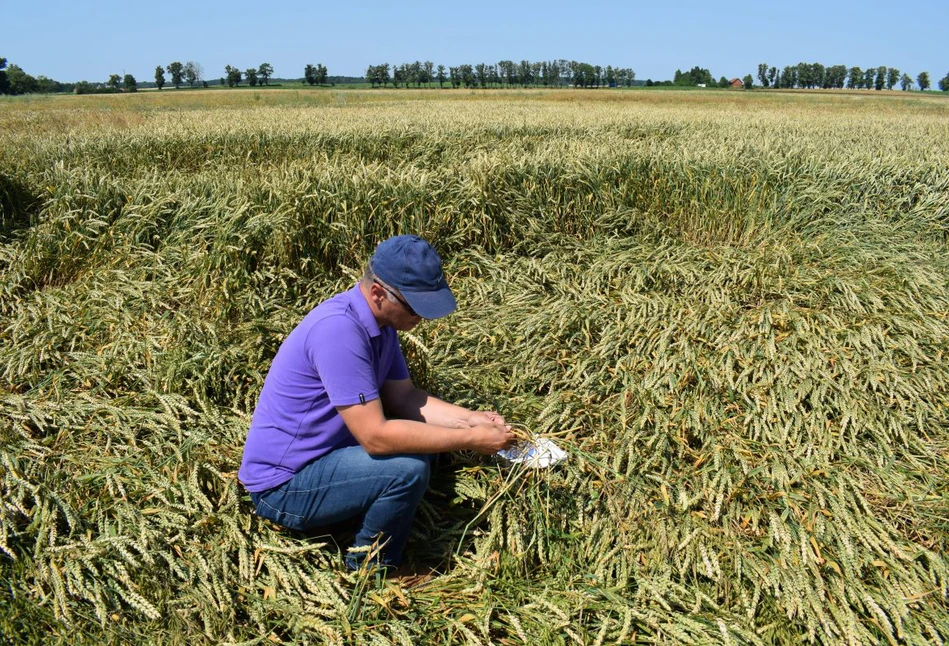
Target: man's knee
x=414 y=470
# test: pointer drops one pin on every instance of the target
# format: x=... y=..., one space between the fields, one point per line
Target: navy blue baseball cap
x=412 y=266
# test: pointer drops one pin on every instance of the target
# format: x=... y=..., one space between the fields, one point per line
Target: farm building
x=736 y=83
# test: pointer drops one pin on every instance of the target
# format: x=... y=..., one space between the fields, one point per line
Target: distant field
x=730 y=308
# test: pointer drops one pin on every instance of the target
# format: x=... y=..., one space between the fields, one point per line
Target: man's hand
x=488 y=439
x=482 y=417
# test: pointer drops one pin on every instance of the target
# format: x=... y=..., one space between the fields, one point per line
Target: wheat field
x=730 y=309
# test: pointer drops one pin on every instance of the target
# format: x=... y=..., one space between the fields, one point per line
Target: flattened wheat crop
x=731 y=310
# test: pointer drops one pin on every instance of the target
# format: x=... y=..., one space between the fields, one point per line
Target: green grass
x=730 y=308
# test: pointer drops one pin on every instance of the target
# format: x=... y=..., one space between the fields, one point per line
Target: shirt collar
x=363 y=313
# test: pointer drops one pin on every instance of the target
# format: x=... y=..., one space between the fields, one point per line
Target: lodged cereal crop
x=731 y=310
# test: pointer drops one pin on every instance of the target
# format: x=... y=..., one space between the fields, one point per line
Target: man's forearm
x=421 y=406
x=406 y=429
x=410 y=436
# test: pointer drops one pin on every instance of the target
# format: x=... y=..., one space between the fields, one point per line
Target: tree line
x=555 y=73
x=13 y=80
x=190 y=73
x=697 y=77
x=816 y=75
x=253 y=75
x=233 y=76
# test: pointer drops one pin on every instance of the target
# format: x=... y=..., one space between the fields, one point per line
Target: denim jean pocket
x=265 y=510
x=269 y=507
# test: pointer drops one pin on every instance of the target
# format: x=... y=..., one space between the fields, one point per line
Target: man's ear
x=376 y=294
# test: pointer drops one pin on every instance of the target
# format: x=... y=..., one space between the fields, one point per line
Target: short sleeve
x=341 y=354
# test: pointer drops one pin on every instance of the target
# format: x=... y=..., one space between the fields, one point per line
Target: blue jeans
x=347 y=483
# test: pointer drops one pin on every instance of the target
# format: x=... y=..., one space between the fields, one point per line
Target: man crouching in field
x=340 y=431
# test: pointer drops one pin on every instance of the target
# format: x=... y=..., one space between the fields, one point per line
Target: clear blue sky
x=71 y=41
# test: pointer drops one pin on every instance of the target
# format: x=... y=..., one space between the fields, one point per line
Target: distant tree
x=892 y=78
x=129 y=83
x=880 y=79
x=468 y=78
x=566 y=72
x=4 y=83
x=772 y=76
x=695 y=76
x=265 y=71
x=160 y=77
x=113 y=81
x=811 y=75
x=19 y=82
x=748 y=81
x=553 y=74
x=722 y=82
x=508 y=72
x=943 y=83
x=481 y=72
x=868 y=78
x=316 y=74
x=536 y=73
x=835 y=77
x=763 y=74
x=251 y=75
x=789 y=77
x=854 y=78
x=582 y=74
x=84 y=87
x=524 y=73
x=379 y=74
x=906 y=81
x=193 y=73
x=923 y=81
x=177 y=71
x=440 y=76
x=233 y=76
x=46 y=85
x=428 y=68
x=805 y=77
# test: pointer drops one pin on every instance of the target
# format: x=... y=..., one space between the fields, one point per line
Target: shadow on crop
x=18 y=205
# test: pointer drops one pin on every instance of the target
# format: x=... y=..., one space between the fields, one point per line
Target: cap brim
x=431 y=305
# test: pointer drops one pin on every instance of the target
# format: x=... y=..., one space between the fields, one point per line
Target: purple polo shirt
x=338 y=355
